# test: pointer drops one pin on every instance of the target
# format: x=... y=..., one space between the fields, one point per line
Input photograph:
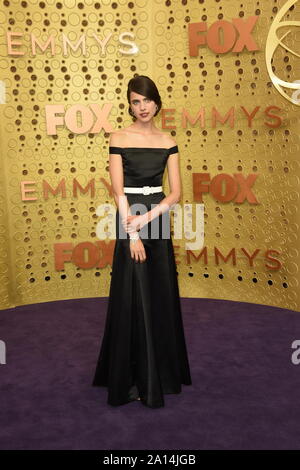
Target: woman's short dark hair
x=143 y=85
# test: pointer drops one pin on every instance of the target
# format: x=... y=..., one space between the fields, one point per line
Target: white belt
x=144 y=190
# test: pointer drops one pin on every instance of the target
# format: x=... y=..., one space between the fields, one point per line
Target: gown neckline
x=142 y=148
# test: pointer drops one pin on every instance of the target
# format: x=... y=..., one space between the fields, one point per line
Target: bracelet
x=134 y=236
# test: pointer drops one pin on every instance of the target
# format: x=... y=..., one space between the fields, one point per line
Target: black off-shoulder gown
x=143 y=351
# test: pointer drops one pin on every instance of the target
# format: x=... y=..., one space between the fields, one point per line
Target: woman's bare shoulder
x=162 y=139
x=116 y=138
x=169 y=141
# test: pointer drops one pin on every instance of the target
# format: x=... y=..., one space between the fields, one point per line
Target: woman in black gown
x=143 y=353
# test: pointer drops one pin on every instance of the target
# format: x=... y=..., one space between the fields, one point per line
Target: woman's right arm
x=117 y=181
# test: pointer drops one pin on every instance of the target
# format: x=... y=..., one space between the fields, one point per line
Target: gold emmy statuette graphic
x=273 y=41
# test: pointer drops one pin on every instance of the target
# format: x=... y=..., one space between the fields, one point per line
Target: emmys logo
x=2 y=352
x=273 y=42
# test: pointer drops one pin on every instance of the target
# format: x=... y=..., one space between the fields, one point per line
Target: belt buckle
x=146 y=190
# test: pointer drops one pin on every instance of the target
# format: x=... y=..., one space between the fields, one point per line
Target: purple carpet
x=245 y=391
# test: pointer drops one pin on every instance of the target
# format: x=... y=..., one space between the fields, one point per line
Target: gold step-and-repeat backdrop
x=229 y=76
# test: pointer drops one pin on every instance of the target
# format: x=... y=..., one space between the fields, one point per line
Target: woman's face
x=143 y=108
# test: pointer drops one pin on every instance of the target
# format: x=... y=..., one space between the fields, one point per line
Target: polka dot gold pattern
x=209 y=85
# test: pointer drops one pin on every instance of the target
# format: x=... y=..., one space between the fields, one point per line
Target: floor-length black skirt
x=143 y=351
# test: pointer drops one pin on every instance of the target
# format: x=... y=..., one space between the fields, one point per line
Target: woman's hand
x=137 y=251
x=133 y=223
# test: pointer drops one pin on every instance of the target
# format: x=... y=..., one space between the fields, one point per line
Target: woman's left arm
x=175 y=190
